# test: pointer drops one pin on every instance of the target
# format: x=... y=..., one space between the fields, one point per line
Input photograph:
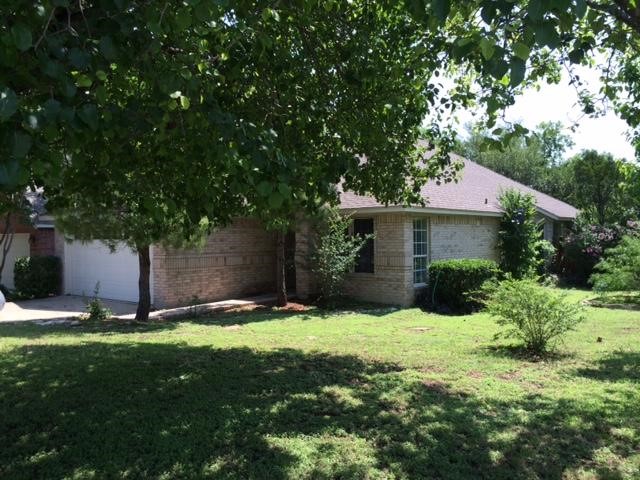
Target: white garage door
x=85 y=264
x=19 y=248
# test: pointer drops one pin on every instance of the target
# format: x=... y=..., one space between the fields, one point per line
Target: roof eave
x=553 y=216
x=437 y=211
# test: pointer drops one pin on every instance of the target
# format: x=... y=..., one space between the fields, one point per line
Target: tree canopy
x=497 y=47
x=173 y=117
x=153 y=123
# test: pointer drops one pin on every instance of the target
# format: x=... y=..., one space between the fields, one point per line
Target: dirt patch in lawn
x=436 y=386
x=420 y=329
x=475 y=374
x=510 y=376
x=431 y=369
x=233 y=327
x=291 y=307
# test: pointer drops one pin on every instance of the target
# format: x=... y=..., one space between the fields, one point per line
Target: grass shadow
x=615 y=367
x=148 y=410
x=520 y=352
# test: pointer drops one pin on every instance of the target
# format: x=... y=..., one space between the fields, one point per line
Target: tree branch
x=621 y=11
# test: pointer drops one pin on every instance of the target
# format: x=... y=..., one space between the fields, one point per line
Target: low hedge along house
x=460 y=221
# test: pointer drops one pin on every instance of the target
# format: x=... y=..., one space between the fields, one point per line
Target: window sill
x=419 y=285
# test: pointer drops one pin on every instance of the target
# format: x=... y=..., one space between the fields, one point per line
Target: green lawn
x=382 y=394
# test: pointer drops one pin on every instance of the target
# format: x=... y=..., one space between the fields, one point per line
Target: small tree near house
x=519 y=234
x=335 y=255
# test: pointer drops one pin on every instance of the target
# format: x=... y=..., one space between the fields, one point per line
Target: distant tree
x=536 y=161
x=597 y=179
x=619 y=269
x=552 y=141
x=630 y=189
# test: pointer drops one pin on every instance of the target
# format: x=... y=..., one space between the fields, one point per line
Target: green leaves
x=580 y=8
x=487 y=47
x=275 y=200
x=21 y=145
x=441 y=9
x=518 y=69
x=546 y=34
x=88 y=113
x=21 y=36
x=521 y=50
x=51 y=109
x=8 y=104
x=264 y=188
x=108 y=48
x=79 y=59
x=183 y=19
x=83 y=81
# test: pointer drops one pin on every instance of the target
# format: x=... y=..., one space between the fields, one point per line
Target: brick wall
x=463 y=236
x=236 y=261
x=42 y=242
x=392 y=280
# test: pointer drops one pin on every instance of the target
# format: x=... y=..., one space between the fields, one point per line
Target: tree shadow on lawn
x=519 y=352
x=615 y=367
x=239 y=316
x=145 y=410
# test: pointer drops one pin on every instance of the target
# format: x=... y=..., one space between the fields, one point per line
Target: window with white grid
x=420 y=250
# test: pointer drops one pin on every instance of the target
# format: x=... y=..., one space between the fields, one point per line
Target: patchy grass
x=275 y=395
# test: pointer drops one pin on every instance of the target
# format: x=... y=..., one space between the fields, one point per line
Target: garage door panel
x=89 y=263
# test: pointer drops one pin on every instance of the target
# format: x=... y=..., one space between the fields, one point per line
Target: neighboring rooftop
x=476 y=192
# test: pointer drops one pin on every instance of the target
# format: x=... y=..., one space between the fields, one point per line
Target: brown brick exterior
x=42 y=242
x=454 y=236
x=392 y=279
x=236 y=261
x=463 y=236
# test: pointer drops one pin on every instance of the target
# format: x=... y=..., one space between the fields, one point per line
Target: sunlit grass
x=381 y=394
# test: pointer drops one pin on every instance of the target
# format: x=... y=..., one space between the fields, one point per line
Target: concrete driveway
x=58 y=308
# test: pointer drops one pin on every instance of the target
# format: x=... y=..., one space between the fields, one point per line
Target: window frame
x=369 y=247
x=424 y=221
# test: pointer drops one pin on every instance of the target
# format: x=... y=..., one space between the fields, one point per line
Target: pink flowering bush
x=582 y=249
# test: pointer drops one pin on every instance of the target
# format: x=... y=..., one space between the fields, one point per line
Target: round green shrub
x=451 y=282
x=37 y=277
x=537 y=316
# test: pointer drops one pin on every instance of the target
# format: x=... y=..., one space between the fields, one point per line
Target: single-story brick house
x=459 y=221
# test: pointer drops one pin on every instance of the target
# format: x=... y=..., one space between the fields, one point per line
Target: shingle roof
x=476 y=191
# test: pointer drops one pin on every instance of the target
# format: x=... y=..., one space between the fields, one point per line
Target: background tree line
x=605 y=189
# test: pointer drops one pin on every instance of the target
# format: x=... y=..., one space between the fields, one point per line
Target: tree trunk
x=281 y=283
x=144 y=292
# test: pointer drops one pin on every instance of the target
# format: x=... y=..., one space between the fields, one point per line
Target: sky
x=560 y=103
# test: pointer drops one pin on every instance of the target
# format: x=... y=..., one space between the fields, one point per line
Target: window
x=420 y=251
x=364 y=262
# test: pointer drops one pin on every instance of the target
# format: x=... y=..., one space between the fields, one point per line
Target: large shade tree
x=259 y=107
x=153 y=123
